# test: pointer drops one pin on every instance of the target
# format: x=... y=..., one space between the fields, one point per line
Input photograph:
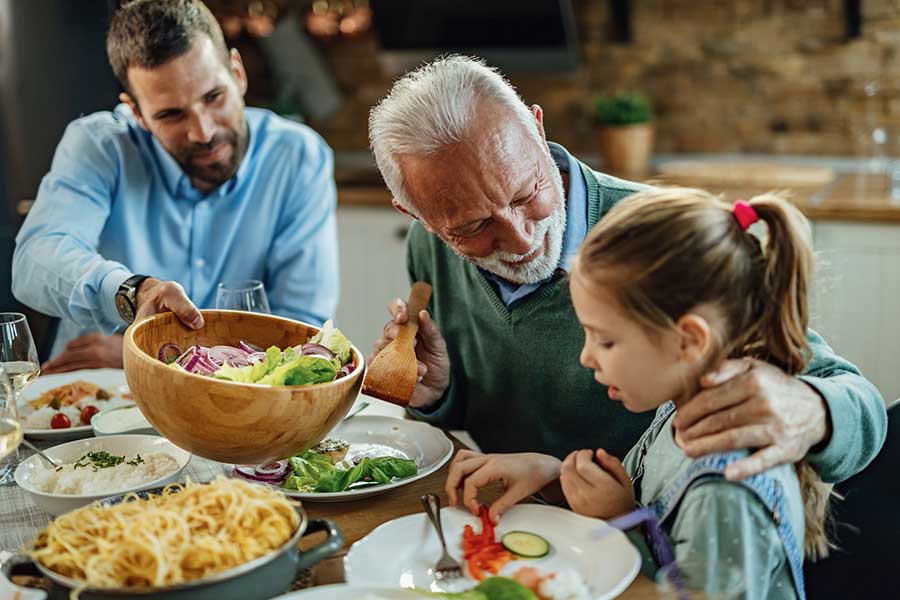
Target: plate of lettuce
x=380 y=454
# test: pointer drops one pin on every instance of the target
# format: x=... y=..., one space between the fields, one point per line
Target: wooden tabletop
x=356 y=519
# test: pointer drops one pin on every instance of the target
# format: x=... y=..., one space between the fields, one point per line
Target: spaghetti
x=188 y=532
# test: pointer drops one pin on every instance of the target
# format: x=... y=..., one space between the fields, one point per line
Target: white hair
x=433 y=107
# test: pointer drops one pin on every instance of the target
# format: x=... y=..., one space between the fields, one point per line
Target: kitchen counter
x=855 y=194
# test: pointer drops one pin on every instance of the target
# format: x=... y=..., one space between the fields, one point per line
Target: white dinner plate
x=386 y=436
x=400 y=553
x=112 y=380
x=342 y=591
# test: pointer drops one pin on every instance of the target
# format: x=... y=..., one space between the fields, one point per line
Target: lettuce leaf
x=378 y=470
x=307 y=468
x=303 y=370
x=332 y=338
x=313 y=472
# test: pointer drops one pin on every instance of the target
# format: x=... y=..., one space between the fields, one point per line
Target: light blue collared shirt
x=576 y=228
x=116 y=203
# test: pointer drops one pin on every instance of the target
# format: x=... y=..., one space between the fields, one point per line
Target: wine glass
x=18 y=356
x=10 y=427
x=248 y=295
x=19 y=365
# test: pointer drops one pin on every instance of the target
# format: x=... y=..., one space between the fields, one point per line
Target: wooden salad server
x=393 y=373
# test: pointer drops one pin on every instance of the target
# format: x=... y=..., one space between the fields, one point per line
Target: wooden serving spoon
x=393 y=373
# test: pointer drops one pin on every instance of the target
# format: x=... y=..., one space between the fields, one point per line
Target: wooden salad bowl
x=223 y=420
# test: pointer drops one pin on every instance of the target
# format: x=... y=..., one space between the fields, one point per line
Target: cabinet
x=855 y=302
x=373 y=270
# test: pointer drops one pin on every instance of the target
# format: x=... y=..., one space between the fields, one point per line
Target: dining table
x=21 y=519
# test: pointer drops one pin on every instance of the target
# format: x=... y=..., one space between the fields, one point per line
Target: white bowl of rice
x=96 y=468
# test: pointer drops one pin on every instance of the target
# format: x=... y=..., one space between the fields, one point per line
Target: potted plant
x=625 y=135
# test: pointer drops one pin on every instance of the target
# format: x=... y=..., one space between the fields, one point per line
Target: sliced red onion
x=345 y=370
x=163 y=354
x=249 y=473
x=249 y=348
x=234 y=357
x=191 y=362
x=204 y=366
x=256 y=357
x=278 y=468
x=316 y=350
x=185 y=356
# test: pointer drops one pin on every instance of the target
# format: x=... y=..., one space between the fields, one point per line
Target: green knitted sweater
x=516 y=382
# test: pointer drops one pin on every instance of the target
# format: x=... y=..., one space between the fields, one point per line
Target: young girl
x=668 y=285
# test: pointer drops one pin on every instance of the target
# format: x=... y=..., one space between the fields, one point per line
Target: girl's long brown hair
x=664 y=252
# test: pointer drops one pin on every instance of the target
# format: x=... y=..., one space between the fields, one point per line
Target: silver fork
x=446 y=568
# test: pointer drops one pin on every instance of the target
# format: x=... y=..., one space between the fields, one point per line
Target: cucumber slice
x=527 y=545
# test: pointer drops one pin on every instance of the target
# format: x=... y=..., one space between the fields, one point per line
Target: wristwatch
x=126 y=297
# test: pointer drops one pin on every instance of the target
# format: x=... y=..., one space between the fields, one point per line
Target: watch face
x=126 y=311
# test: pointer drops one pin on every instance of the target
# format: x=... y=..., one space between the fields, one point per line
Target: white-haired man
x=499 y=214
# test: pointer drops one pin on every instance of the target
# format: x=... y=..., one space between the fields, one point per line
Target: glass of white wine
x=10 y=428
x=18 y=356
x=17 y=353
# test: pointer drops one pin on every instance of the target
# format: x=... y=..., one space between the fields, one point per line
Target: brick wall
x=771 y=76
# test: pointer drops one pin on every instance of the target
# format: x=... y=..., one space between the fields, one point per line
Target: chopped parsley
x=103 y=460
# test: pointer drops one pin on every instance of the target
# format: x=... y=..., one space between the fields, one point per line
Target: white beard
x=542 y=267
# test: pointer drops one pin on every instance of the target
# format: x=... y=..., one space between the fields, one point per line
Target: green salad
x=315 y=473
x=325 y=357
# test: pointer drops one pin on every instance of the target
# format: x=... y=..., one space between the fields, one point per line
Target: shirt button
x=200 y=263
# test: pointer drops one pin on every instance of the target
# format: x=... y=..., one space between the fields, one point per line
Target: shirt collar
x=576 y=204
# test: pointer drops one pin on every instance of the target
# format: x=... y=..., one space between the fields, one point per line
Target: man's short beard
x=216 y=174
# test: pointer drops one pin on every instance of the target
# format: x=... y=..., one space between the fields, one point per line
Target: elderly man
x=147 y=208
x=499 y=213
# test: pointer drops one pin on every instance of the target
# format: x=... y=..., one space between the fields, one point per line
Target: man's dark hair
x=150 y=33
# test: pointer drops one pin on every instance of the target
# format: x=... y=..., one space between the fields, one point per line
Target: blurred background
x=737 y=96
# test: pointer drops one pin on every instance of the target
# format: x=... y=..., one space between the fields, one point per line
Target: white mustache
x=540 y=231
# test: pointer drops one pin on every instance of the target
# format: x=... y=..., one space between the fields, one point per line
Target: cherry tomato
x=60 y=421
x=88 y=412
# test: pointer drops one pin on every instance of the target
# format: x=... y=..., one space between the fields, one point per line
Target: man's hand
x=90 y=351
x=599 y=489
x=747 y=403
x=521 y=475
x=155 y=296
x=431 y=352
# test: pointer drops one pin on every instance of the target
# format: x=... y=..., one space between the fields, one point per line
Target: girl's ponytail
x=786 y=270
x=786 y=275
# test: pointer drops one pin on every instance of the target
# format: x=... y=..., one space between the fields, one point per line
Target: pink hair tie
x=745 y=214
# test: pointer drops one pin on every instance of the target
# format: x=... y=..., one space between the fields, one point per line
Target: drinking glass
x=248 y=295
x=10 y=426
x=20 y=366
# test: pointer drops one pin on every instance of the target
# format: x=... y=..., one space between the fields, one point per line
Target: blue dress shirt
x=116 y=203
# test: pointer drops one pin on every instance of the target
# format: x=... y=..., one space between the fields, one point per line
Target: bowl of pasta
x=193 y=541
x=246 y=388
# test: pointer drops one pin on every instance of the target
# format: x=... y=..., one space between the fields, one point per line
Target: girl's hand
x=521 y=474
x=601 y=490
